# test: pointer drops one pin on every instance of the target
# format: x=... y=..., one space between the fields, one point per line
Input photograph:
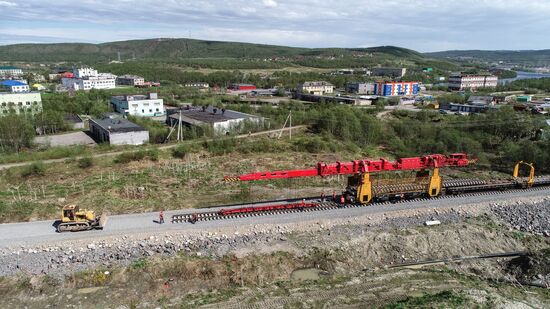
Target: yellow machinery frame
x=531 y=179
x=364 y=190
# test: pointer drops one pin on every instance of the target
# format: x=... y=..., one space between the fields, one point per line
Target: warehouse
x=118 y=131
x=223 y=121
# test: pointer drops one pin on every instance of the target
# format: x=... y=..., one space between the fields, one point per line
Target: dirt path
x=110 y=154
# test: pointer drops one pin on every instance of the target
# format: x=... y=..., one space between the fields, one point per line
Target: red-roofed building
x=242 y=87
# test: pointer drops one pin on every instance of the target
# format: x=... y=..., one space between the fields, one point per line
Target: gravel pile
x=530 y=218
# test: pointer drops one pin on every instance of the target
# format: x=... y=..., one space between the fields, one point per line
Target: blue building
x=15 y=86
x=396 y=88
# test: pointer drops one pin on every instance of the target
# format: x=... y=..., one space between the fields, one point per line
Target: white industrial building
x=88 y=78
x=20 y=103
x=118 y=131
x=139 y=105
x=222 y=120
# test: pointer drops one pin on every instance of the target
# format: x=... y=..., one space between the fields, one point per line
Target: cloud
x=425 y=25
x=7 y=3
x=270 y=3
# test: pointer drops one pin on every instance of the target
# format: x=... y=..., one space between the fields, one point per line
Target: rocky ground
x=525 y=216
x=338 y=247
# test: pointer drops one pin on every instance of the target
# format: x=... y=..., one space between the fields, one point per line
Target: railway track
x=454 y=188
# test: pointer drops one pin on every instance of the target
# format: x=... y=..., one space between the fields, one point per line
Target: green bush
x=312 y=145
x=153 y=154
x=34 y=169
x=181 y=151
x=85 y=162
x=127 y=157
x=220 y=146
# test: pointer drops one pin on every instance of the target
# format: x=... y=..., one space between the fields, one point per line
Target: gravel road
x=43 y=232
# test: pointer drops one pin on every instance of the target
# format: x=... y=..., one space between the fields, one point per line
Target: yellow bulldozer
x=74 y=219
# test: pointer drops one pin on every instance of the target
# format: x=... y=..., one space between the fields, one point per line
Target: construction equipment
x=74 y=219
x=531 y=178
x=359 y=183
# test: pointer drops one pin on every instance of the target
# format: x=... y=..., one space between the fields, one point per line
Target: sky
x=422 y=25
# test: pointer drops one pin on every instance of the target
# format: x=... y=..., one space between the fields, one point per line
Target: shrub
x=153 y=154
x=127 y=157
x=34 y=169
x=220 y=146
x=181 y=151
x=85 y=162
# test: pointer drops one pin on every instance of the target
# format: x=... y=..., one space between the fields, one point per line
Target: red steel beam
x=362 y=166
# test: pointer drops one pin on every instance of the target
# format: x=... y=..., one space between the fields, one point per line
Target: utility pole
x=290 y=125
x=288 y=119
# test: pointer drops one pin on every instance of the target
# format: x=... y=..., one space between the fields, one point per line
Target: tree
x=16 y=132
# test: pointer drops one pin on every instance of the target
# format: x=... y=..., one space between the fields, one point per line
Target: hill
x=521 y=57
x=182 y=50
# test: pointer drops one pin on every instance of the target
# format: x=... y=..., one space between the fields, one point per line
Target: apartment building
x=20 y=103
x=463 y=82
x=316 y=88
x=396 y=88
x=8 y=71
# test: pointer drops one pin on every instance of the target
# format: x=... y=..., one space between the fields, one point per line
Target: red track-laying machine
x=361 y=169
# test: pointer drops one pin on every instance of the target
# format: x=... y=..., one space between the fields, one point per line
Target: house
x=390 y=72
x=316 y=88
x=360 y=88
x=131 y=80
x=139 y=105
x=15 y=86
x=396 y=88
x=464 y=81
x=20 y=103
x=118 y=131
x=223 y=121
x=481 y=100
x=10 y=71
x=74 y=121
x=88 y=78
